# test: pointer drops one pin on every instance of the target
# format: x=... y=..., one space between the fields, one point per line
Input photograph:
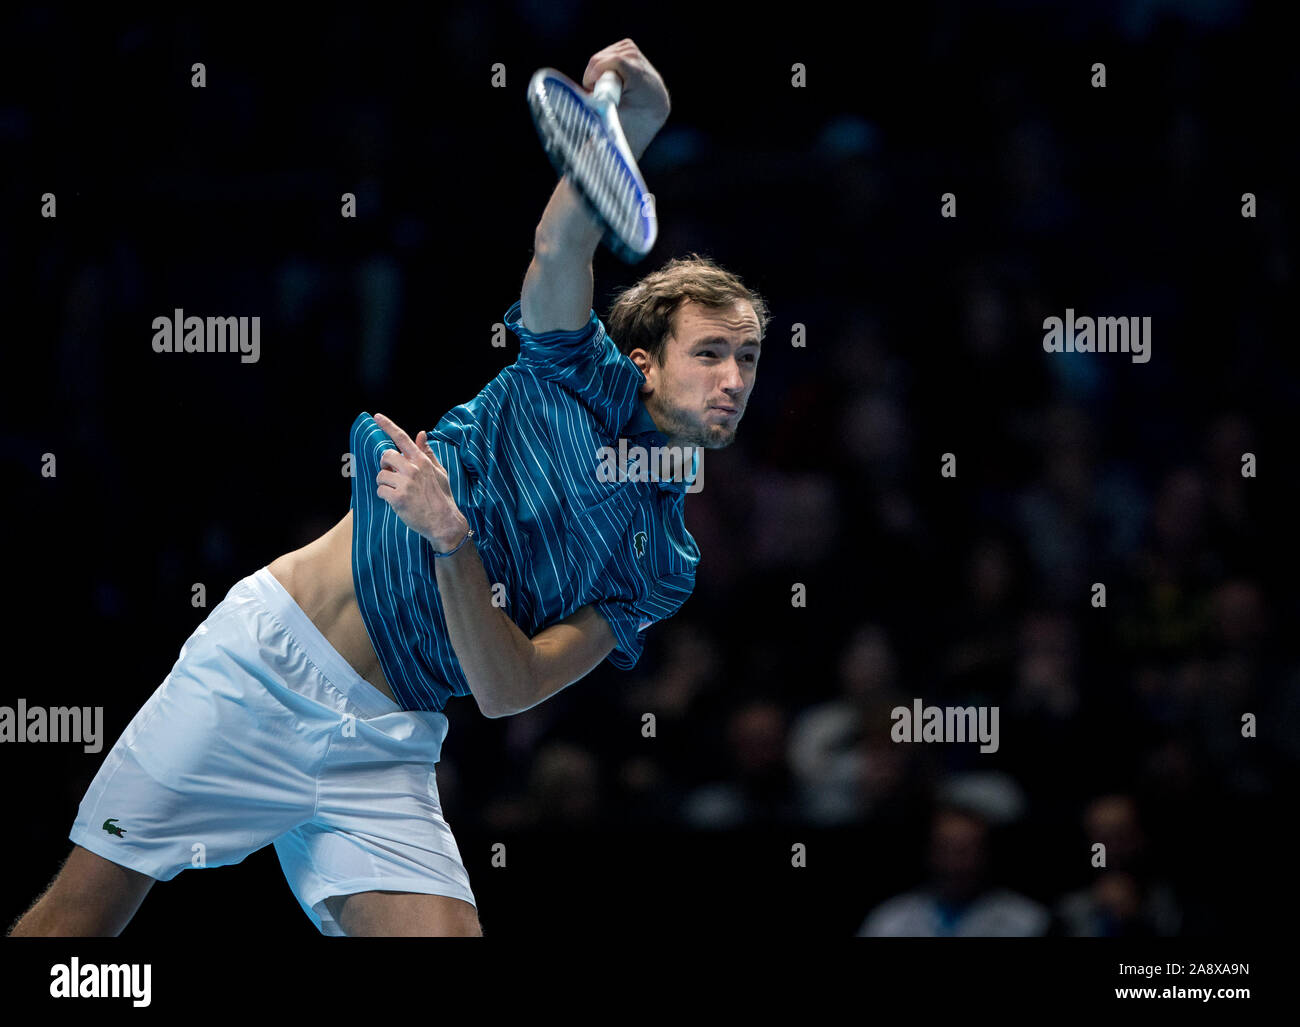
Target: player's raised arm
x=559 y=285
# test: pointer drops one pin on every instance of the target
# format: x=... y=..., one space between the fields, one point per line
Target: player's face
x=698 y=395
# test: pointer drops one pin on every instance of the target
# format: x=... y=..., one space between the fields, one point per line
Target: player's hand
x=644 y=105
x=413 y=482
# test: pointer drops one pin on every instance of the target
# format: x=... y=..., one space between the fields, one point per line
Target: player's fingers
x=422 y=441
x=598 y=68
x=588 y=74
x=394 y=461
x=438 y=469
x=388 y=479
x=399 y=437
x=615 y=57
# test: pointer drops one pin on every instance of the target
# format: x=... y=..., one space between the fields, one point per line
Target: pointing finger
x=399 y=437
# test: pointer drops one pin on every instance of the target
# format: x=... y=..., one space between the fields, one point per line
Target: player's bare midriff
x=319 y=577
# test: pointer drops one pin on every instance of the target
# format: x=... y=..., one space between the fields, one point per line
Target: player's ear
x=642 y=360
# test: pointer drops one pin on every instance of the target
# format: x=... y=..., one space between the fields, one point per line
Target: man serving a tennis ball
x=487 y=557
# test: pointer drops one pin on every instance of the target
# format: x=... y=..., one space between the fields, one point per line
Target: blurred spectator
x=1046 y=669
x=762 y=790
x=840 y=750
x=1125 y=899
x=958 y=901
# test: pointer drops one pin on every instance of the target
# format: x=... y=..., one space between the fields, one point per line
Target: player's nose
x=733 y=381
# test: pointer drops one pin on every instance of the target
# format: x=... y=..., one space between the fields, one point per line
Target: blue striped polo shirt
x=522 y=459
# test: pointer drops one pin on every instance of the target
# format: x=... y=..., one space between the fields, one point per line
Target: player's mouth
x=729 y=411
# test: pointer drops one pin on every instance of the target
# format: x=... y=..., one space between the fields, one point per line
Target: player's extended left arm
x=507 y=671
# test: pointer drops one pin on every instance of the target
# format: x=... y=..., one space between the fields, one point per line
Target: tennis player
x=487 y=557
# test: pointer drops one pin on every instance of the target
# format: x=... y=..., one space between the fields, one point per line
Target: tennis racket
x=584 y=140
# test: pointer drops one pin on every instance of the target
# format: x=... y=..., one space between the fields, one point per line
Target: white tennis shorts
x=262 y=733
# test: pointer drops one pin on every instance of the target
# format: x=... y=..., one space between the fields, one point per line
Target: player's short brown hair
x=642 y=315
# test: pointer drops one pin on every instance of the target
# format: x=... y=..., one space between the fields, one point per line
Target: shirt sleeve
x=586 y=362
x=628 y=627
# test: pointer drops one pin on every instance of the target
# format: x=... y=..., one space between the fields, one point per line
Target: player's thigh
x=90 y=895
x=403 y=914
x=87 y=876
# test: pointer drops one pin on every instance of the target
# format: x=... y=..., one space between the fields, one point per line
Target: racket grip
x=608 y=87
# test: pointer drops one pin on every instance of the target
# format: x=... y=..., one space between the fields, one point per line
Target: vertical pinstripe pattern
x=522 y=458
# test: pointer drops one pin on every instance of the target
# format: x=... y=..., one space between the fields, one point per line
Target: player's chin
x=718 y=436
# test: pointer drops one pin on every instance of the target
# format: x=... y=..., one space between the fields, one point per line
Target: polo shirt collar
x=641 y=426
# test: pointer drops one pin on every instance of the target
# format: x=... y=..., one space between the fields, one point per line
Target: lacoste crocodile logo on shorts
x=112 y=828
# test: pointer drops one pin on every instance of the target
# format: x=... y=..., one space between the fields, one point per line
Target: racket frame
x=603 y=102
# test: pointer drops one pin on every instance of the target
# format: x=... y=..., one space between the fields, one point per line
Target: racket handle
x=608 y=87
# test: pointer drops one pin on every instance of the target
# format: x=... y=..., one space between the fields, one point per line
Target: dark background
x=923 y=337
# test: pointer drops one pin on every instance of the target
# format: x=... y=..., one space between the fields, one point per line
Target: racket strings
x=596 y=164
